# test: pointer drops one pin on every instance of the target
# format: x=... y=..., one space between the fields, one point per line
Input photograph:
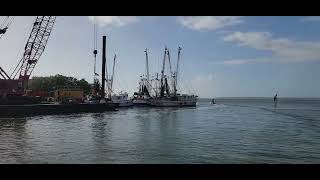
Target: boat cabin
x=120 y=97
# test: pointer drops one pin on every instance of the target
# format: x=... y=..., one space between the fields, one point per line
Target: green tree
x=51 y=83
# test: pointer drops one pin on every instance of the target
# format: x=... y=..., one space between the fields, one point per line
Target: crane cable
x=4 y=22
x=7 y=21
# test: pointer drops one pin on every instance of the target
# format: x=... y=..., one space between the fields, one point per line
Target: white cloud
x=237 y=61
x=209 y=22
x=282 y=49
x=113 y=20
x=311 y=19
x=248 y=61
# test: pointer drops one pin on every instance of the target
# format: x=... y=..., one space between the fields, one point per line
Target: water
x=232 y=131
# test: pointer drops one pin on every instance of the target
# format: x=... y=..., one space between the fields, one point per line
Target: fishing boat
x=141 y=98
x=122 y=99
x=167 y=93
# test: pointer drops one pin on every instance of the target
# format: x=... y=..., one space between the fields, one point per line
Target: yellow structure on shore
x=66 y=94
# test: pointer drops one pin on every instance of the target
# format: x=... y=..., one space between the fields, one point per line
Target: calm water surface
x=232 y=131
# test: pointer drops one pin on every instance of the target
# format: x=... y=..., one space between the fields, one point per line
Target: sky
x=222 y=56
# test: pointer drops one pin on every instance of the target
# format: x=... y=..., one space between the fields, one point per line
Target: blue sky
x=221 y=56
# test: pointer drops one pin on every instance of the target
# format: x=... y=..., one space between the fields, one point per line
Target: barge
x=27 y=110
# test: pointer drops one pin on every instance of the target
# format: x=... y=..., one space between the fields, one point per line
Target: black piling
x=104 y=59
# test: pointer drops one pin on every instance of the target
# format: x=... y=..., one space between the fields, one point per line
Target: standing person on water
x=212 y=101
x=275 y=99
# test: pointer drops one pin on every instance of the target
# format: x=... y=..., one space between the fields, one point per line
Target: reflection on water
x=231 y=131
x=13 y=146
x=12 y=123
x=99 y=126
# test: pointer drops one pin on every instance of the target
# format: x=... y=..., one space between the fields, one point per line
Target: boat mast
x=95 y=51
x=171 y=74
x=107 y=80
x=168 y=53
x=177 y=71
x=147 y=64
x=140 y=82
x=95 y=86
x=162 y=73
x=156 y=84
x=114 y=64
x=103 y=67
x=147 y=67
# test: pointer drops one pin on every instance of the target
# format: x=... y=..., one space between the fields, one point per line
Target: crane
x=33 y=50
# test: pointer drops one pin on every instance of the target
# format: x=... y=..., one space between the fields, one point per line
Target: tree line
x=51 y=83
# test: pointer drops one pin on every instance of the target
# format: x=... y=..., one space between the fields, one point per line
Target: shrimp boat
x=166 y=92
x=122 y=99
x=142 y=97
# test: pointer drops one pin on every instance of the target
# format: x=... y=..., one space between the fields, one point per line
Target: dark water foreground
x=232 y=131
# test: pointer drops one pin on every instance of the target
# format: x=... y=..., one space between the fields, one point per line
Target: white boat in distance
x=122 y=99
